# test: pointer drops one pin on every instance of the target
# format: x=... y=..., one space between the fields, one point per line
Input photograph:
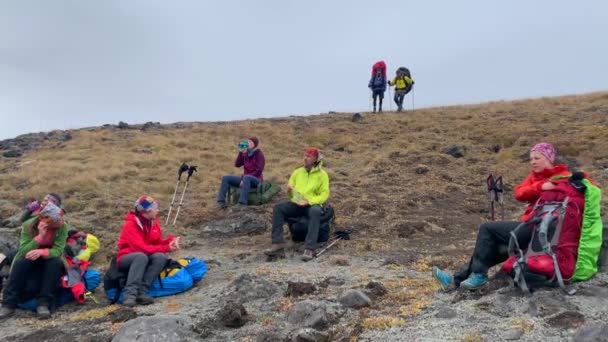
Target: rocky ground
x=347 y=294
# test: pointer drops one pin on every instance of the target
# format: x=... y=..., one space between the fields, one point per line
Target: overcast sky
x=68 y=64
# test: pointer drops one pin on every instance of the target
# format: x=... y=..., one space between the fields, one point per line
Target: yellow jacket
x=401 y=82
x=312 y=186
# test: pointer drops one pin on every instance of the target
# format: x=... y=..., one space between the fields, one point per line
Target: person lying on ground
x=308 y=189
x=142 y=252
x=251 y=158
x=493 y=237
x=38 y=266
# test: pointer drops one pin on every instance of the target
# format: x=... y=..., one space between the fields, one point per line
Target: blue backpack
x=177 y=277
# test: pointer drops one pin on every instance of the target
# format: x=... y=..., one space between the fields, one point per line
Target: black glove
x=576 y=180
x=388 y=82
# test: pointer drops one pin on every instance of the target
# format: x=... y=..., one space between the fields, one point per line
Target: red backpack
x=379 y=66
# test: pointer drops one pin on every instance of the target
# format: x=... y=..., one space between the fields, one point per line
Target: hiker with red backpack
x=38 y=266
x=251 y=158
x=493 y=237
x=142 y=251
x=377 y=84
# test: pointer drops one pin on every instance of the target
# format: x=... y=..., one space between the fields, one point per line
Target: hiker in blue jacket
x=378 y=86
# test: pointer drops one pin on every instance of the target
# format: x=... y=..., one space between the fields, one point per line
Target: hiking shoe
x=220 y=205
x=275 y=249
x=444 y=279
x=144 y=300
x=475 y=281
x=6 y=312
x=129 y=302
x=239 y=206
x=43 y=312
x=308 y=255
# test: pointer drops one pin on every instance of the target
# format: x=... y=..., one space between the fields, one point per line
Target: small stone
x=309 y=335
x=296 y=289
x=355 y=299
x=446 y=313
x=357 y=117
x=123 y=125
x=513 y=334
x=421 y=169
x=12 y=154
x=311 y=314
x=232 y=315
x=375 y=289
x=456 y=151
x=567 y=320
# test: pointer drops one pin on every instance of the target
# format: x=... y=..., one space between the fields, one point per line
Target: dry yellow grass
x=101 y=171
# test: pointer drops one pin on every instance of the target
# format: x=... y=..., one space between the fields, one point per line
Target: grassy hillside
x=389 y=174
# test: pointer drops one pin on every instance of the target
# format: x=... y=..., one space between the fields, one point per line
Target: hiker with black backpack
x=38 y=265
x=493 y=237
x=377 y=84
x=308 y=190
x=142 y=251
x=403 y=83
x=251 y=158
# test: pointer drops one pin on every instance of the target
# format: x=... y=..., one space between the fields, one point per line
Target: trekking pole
x=183 y=168
x=340 y=235
x=390 y=100
x=491 y=193
x=413 y=108
x=191 y=170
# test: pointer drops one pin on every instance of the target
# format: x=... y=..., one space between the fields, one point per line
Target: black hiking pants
x=378 y=93
x=290 y=209
x=142 y=269
x=40 y=278
x=491 y=247
x=399 y=96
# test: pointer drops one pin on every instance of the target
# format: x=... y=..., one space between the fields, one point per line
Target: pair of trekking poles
x=183 y=168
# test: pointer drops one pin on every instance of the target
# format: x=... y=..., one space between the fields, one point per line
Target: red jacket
x=135 y=238
x=530 y=189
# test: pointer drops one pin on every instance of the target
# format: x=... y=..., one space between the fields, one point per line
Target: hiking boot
x=275 y=250
x=239 y=206
x=6 y=312
x=43 y=312
x=220 y=205
x=475 y=281
x=308 y=255
x=380 y=110
x=144 y=299
x=444 y=279
x=129 y=302
x=373 y=111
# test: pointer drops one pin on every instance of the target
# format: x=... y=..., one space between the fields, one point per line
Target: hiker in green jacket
x=38 y=265
x=308 y=190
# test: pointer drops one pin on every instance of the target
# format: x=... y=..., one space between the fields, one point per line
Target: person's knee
x=54 y=262
x=139 y=257
x=314 y=211
x=158 y=257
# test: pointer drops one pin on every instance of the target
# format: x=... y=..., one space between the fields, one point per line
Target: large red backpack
x=380 y=65
x=550 y=257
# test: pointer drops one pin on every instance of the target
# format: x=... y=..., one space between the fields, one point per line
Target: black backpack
x=403 y=71
x=114 y=279
x=299 y=226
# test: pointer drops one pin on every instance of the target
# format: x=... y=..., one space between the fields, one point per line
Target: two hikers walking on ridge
x=402 y=82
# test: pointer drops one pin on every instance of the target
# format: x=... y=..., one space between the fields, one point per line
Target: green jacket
x=591 y=234
x=313 y=185
x=28 y=243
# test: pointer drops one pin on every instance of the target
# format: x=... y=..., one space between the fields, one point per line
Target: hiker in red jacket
x=493 y=235
x=142 y=250
x=251 y=158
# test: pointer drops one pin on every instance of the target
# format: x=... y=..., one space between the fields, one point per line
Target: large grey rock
x=156 y=329
x=547 y=303
x=445 y=313
x=13 y=221
x=592 y=332
x=243 y=223
x=355 y=299
x=313 y=314
x=513 y=334
x=249 y=287
x=9 y=240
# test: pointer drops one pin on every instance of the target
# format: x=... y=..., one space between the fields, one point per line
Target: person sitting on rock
x=38 y=265
x=494 y=235
x=308 y=189
x=142 y=250
x=251 y=158
x=34 y=206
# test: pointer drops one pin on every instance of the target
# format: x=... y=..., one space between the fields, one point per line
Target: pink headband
x=546 y=150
